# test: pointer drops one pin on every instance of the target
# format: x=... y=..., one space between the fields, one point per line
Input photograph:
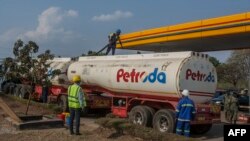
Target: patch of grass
x=55 y=108
x=145 y=133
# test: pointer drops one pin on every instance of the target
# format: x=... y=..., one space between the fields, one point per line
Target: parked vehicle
x=244 y=102
x=219 y=93
x=58 y=89
x=144 y=87
x=147 y=87
x=242 y=99
x=218 y=101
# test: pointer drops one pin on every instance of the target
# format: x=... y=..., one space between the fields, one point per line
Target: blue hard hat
x=118 y=31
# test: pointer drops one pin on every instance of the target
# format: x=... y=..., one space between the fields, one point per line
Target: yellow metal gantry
x=222 y=33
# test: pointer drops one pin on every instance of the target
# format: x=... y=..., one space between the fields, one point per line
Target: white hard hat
x=185 y=92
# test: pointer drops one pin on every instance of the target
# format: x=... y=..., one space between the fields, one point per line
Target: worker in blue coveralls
x=113 y=38
x=185 y=112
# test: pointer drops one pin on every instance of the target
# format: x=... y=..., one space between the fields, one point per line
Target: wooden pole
x=9 y=111
x=28 y=104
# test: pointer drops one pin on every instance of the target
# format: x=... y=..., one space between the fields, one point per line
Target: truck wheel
x=164 y=121
x=152 y=113
x=63 y=103
x=201 y=129
x=140 y=115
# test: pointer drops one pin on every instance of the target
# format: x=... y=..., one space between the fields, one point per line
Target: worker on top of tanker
x=76 y=102
x=185 y=112
x=113 y=38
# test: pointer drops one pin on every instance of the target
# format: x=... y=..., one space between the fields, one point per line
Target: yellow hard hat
x=76 y=78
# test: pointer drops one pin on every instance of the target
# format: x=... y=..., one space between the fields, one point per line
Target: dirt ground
x=89 y=129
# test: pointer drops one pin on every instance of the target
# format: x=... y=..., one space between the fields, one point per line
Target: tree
x=25 y=66
x=242 y=60
x=10 y=69
x=229 y=73
x=93 y=53
x=236 y=69
x=214 y=61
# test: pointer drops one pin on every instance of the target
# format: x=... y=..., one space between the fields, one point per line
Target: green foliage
x=229 y=73
x=236 y=71
x=214 y=61
x=26 y=67
x=93 y=53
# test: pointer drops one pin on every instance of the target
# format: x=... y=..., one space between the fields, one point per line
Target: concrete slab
x=36 y=122
x=30 y=117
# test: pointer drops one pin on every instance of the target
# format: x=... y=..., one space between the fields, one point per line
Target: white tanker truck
x=147 y=87
x=143 y=87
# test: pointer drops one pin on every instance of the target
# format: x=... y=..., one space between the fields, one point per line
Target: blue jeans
x=183 y=127
x=74 y=114
x=111 y=47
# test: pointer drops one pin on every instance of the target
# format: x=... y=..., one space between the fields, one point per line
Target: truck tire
x=201 y=129
x=152 y=113
x=140 y=115
x=164 y=121
x=63 y=103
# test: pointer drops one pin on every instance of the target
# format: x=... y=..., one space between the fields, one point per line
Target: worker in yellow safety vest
x=76 y=102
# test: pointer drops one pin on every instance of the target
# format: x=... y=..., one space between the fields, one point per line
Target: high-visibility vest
x=73 y=92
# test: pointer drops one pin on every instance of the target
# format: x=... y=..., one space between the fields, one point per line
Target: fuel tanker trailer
x=147 y=87
x=58 y=91
x=60 y=83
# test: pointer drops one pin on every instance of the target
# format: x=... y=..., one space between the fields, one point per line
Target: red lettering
x=132 y=75
x=137 y=76
x=188 y=73
x=119 y=74
x=142 y=74
x=193 y=76
x=196 y=76
x=126 y=76
x=203 y=76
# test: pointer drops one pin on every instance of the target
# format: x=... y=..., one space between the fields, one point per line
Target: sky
x=72 y=27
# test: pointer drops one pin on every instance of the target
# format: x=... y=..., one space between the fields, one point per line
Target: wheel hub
x=138 y=119
x=164 y=124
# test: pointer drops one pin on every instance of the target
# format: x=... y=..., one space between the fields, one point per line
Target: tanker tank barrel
x=152 y=75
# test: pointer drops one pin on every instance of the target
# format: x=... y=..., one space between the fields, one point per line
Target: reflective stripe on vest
x=73 y=101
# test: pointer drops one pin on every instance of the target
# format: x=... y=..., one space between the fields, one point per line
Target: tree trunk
x=235 y=84
x=28 y=104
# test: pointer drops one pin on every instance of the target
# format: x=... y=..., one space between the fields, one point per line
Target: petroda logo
x=199 y=76
x=136 y=76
